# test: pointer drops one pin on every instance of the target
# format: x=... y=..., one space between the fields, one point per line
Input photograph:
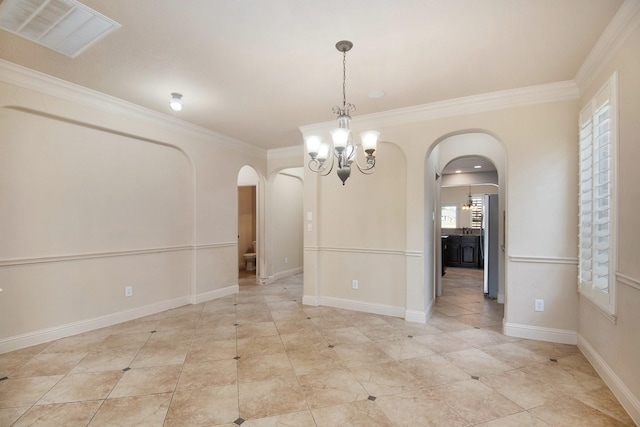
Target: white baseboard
x=500 y=298
x=287 y=273
x=626 y=398
x=310 y=300
x=217 y=293
x=563 y=336
x=415 y=316
x=45 y=335
x=419 y=316
x=386 y=310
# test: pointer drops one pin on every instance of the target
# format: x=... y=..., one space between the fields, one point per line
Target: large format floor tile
x=261 y=359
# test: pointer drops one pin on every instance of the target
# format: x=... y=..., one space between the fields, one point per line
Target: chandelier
x=342 y=153
x=469 y=203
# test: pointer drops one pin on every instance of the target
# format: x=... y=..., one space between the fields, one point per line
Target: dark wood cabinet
x=469 y=248
x=462 y=251
x=452 y=250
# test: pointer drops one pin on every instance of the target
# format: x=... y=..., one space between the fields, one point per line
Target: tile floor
x=261 y=358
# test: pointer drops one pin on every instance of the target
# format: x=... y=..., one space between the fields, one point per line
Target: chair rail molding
x=543 y=259
x=628 y=280
x=374 y=251
x=108 y=254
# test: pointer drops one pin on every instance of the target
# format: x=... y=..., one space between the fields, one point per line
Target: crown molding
x=624 y=22
x=295 y=151
x=530 y=95
x=52 y=86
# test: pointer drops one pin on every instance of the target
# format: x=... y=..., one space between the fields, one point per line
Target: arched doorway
x=462 y=151
x=469 y=193
x=248 y=211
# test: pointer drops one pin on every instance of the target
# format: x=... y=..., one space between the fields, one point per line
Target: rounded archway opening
x=465 y=176
x=248 y=181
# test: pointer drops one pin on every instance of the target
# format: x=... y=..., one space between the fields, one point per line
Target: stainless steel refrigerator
x=490 y=247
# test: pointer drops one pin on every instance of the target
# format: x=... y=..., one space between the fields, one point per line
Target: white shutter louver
x=595 y=198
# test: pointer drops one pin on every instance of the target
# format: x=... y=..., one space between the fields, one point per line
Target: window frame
x=452 y=205
x=605 y=300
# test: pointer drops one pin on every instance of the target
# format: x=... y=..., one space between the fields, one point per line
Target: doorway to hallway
x=468 y=190
x=467 y=171
x=463 y=300
x=248 y=182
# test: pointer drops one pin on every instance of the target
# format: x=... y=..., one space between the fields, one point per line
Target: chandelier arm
x=321 y=169
x=368 y=169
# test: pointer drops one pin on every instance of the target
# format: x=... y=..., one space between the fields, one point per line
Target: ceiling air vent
x=65 y=26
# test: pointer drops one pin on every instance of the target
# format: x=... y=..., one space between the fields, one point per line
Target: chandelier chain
x=347 y=108
x=344 y=80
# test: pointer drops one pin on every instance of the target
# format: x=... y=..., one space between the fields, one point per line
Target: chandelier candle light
x=469 y=202
x=343 y=148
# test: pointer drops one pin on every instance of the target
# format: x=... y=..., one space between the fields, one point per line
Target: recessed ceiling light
x=458 y=171
x=376 y=93
x=477 y=167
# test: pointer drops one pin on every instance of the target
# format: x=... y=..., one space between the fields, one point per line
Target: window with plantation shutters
x=476 y=211
x=596 y=193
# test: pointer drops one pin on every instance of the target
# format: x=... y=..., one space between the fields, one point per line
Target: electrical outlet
x=539 y=305
x=128 y=291
x=286 y=260
x=354 y=284
x=309 y=227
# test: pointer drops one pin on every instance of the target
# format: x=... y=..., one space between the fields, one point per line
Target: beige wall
x=73 y=196
x=70 y=190
x=358 y=233
x=614 y=346
x=287 y=222
x=539 y=142
x=98 y=195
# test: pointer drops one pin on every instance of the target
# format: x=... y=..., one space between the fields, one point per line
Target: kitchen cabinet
x=462 y=251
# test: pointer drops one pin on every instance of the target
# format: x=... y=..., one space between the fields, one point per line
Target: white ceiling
x=256 y=70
